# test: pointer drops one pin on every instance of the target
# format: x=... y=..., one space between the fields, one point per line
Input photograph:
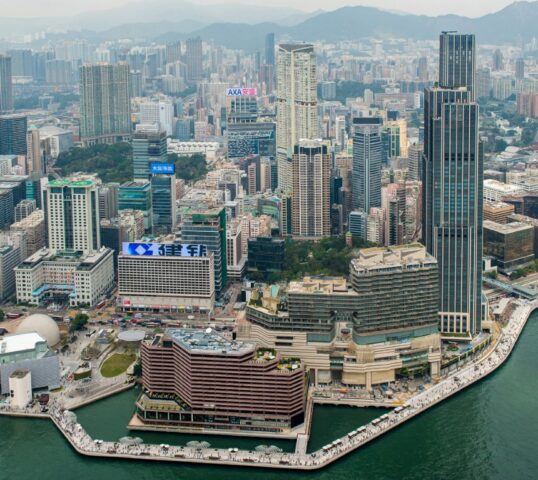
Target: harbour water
x=489 y=431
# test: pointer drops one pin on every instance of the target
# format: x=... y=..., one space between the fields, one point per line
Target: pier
x=476 y=370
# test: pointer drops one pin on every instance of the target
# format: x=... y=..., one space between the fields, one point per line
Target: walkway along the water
x=475 y=371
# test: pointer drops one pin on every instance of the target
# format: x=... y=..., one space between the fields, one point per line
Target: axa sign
x=241 y=92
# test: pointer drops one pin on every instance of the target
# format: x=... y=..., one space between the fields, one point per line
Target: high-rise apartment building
x=296 y=104
x=6 y=89
x=105 y=108
x=367 y=160
x=414 y=153
x=72 y=211
x=453 y=184
x=194 y=59
x=311 y=197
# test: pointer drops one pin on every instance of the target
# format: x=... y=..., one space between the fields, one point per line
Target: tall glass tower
x=453 y=183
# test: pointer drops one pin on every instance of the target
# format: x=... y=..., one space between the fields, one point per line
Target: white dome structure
x=43 y=325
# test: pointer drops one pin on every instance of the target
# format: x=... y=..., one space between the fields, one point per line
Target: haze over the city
x=33 y=8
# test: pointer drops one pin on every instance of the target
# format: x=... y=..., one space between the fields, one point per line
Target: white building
x=73 y=215
x=494 y=190
x=165 y=277
x=20 y=388
x=55 y=140
x=160 y=112
x=83 y=279
x=209 y=149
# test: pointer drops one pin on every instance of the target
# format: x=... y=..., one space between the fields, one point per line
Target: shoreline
x=446 y=388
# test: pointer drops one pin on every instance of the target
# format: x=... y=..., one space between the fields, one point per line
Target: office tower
x=358 y=223
x=243 y=109
x=270 y=49
x=422 y=70
x=395 y=132
x=10 y=257
x=397 y=289
x=105 y=108
x=24 y=208
x=394 y=204
x=311 y=195
x=13 y=135
x=367 y=159
x=6 y=88
x=158 y=112
x=245 y=139
x=498 y=62
x=194 y=60
x=34 y=157
x=136 y=195
x=7 y=205
x=296 y=104
x=72 y=211
x=108 y=200
x=520 y=69
x=163 y=200
x=457 y=61
x=149 y=146
x=453 y=183
x=208 y=227
x=415 y=152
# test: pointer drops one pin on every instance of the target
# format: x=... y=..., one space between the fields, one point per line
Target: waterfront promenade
x=460 y=379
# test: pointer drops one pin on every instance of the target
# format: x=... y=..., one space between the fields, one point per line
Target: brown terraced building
x=195 y=379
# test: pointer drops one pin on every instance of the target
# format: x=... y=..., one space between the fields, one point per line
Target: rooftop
x=208 y=342
x=324 y=285
x=399 y=256
x=20 y=343
x=506 y=228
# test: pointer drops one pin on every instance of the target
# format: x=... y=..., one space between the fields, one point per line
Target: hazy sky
x=431 y=7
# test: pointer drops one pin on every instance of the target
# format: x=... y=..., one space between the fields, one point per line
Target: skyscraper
x=6 y=95
x=13 y=134
x=105 y=107
x=311 y=197
x=452 y=181
x=457 y=61
x=520 y=69
x=415 y=152
x=208 y=227
x=163 y=200
x=149 y=146
x=270 y=49
x=296 y=104
x=194 y=59
x=72 y=210
x=367 y=159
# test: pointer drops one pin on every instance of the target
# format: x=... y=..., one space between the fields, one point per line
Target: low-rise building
x=28 y=351
x=79 y=279
x=511 y=245
x=497 y=212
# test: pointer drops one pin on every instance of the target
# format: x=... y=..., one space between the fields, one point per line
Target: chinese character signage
x=241 y=92
x=163 y=250
x=163 y=168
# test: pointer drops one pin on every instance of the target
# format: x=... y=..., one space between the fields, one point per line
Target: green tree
x=112 y=163
x=189 y=168
x=79 y=322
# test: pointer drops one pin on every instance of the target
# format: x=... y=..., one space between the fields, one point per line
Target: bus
x=13 y=315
